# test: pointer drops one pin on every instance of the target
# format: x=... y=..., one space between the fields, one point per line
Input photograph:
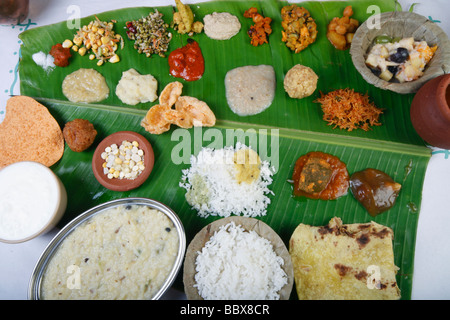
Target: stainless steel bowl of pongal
x=125 y=249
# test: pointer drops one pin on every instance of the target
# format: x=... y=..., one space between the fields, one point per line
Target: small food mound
x=134 y=88
x=237 y=264
x=375 y=190
x=125 y=252
x=183 y=20
x=123 y=162
x=349 y=110
x=187 y=62
x=221 y=25
x=46 y=61
x=399 y=60
x=340 y=31
x=60 y=55
x=79 y=134
x=250 y=89
x=344 y=262
x=299 y=28
x=300 y=82
x=150 y=34
x=261 y=29
x=29 y=133
x=219 y=184
x=97 y=39
x=85 y=85
x=188 y=112
x=319 y=175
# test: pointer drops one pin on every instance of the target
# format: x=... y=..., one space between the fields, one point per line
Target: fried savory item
x=318 y=175
x=99 y=39
x=134 y=88
x=375 y=190
x=79 y=134
x=183 y=20
x=299 y=28
x=261 y=28
x=300 y=82
x=349 y=110
x=60 y=55
x=221 y=25
x=29 y=133
x=344 y=262
x=340 y=31
x=85 y=85
x=188 y=111
x=250 y=89
x=150 y=34
x=187 y=62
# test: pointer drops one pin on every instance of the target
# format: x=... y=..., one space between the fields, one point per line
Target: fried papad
x=29 y=133
x=344 y=262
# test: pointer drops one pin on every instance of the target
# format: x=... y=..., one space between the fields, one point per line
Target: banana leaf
x=288 y=129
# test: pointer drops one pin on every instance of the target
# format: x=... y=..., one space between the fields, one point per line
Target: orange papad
x=349 y=110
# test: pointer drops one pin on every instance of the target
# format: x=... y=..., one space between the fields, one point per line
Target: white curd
x=30 y=194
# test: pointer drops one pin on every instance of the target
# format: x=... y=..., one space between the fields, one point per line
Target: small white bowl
x=33 y=201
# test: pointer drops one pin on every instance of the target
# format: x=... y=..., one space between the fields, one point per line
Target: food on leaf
x=375 y=190
x=349 y=110
x=79 y=134
x=188 y=111
x=60 y=55
x=221 y=25
x=250 y=89
x=399 y=60
x=183 y=20
x=261 y=29
x=318 y=175
x=223 y=183
x=340 y=31
x=85 y=85
x=29 y=133
x=187 y=62
x=134 y=88
x=150 y=34
x=338 y=261
x=300 y=82
x=97 y=39
x=299 y=28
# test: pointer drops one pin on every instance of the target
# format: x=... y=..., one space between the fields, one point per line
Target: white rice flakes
x=212 y=188
x=239 y=265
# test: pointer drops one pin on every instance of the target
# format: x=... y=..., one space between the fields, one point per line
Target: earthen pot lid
x=117 y=184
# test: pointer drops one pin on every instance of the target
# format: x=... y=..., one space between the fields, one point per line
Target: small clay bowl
x=430 y=112
x=248 y=224
x=117 y=184
x=403 y=25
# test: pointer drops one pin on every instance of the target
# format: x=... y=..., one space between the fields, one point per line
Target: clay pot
x=430 y=112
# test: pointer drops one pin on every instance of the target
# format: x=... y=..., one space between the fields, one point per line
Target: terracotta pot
x=430 y=112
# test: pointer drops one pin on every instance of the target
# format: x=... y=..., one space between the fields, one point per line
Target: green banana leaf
x=290 y=127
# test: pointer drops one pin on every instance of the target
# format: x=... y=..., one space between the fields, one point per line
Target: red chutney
x=61 y=55
x=319 y=175
x=187 y=62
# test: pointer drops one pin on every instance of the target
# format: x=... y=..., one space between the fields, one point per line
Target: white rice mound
x=239 y=265
x=221 y=194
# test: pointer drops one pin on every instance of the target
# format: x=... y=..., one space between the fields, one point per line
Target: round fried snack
x=154 y=121
x=29 y=133
x=79 y=134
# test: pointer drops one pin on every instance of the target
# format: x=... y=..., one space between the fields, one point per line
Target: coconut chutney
x=221 y=25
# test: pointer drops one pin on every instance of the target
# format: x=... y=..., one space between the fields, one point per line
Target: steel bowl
x=34 y=288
